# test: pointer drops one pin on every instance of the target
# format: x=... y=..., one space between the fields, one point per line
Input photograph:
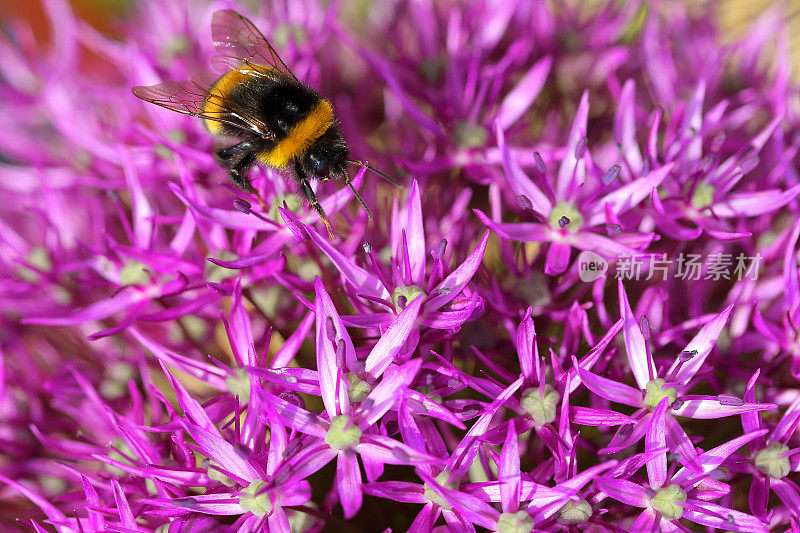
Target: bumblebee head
x=326 y=159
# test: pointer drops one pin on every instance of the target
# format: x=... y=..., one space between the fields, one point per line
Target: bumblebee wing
x=191 y=97
x=238 y=41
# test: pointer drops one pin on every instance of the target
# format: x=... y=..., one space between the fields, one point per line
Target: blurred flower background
x=174 y=358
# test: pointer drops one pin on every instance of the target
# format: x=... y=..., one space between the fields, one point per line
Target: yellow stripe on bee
x=221 y=89
x=301 y=136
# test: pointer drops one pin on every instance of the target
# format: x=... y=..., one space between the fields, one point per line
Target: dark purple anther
x=537 y=157
x=293 y=398
x=580 y=149
x=330 y=329
x=644 y=326
x=611 y=174
x=242 y=205
x=400 y=455
x=524 y=202
x=733 y=401
x=440 y=248
x=391 y=427
x=186 y=503
x=340 y=354
x=470 y=410
x=563 y=222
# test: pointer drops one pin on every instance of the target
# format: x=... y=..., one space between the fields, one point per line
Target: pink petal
x=390 y=451
x=702 y=343
x=625 y=125
x=628 y=196
x=388 y=346
x=709 y=407
x=519 y=181
x=520 y=98
x=557 y=258
x=609 y=389
x=385 y=395
x=656 y=438
x=526 y=345
x=752 y=204
x=415 y=235
x=359 y=278
x=509 y=476
x=713 y=458
x=451 y=286
x=223 y=453
x=297 y=418
x=589 y=416
x=571 y=173
x=641 y=365
x=348 y=481
x=239 y=333
x=332 y=385
x=123 y=507
x=586 y=240
x=624 y=491
x=711 y=514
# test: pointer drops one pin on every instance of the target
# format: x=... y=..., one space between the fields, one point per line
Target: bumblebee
x=279 y=121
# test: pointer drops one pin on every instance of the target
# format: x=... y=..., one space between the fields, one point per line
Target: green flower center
x=442 y=480
x=655 y=391
x=542 y=408
x=238 y=384
x=703 y=196
x=565 y=216
x=668 y=501
x=255 y=503
x=520 y=522
x=770 y=462
x=469 y=135
x=575 y=512
x=133 y=273
x=216 y=475
x=292 y=200
x=357 y=388
x=39 y=258
x=342 y=434
x=408 y=293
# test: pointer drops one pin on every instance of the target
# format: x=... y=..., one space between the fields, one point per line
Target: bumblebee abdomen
x=302 y=134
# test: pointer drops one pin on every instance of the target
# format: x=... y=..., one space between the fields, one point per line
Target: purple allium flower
x=176 y=356
x=571 y=207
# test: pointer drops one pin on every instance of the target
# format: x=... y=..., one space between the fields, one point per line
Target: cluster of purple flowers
x=174 y=358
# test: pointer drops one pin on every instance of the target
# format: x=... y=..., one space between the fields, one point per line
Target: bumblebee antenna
x=358 y=197
x=375 y=170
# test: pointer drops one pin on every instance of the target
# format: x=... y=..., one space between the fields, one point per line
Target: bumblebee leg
x=234 y=156
x=237 y=160
x=308 y=192
x=240 y=179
